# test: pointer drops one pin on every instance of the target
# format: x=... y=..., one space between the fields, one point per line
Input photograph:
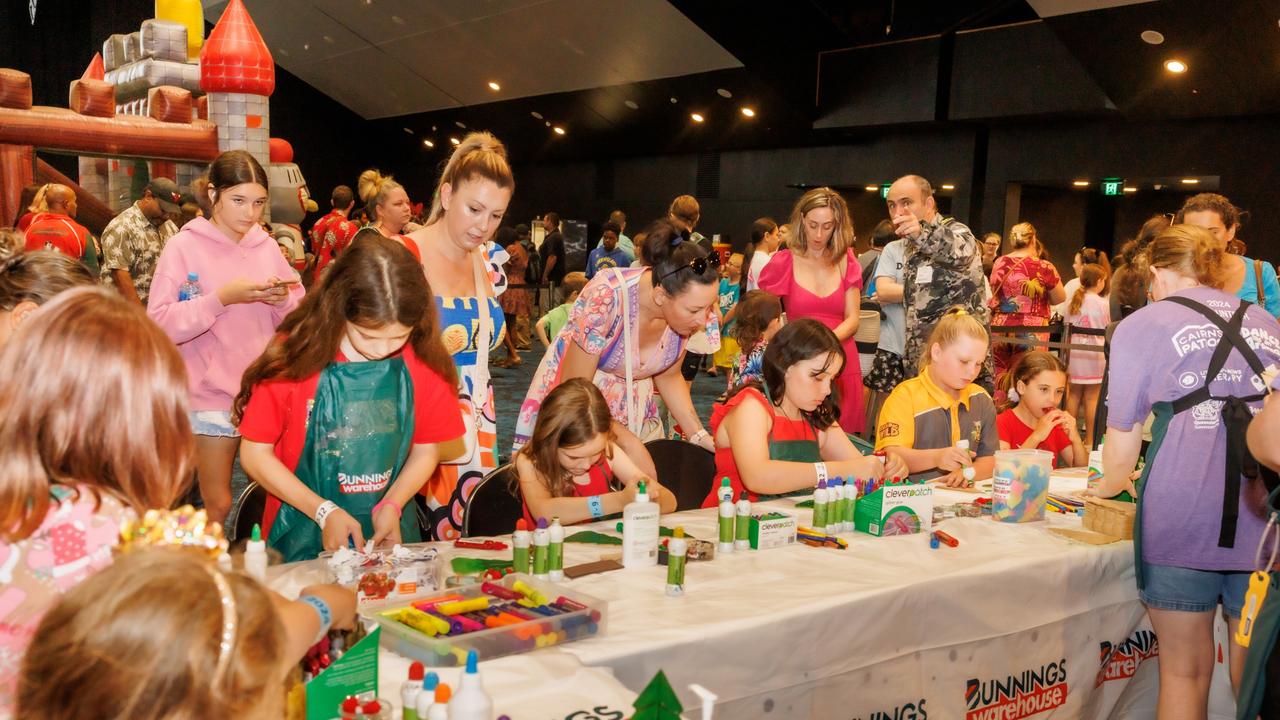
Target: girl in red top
x=342 y=414
x=1036 y=384
x=782 y=436
x=572 y=467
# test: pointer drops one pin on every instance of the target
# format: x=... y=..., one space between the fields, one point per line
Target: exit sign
x=884 y=190
x=1113 y=186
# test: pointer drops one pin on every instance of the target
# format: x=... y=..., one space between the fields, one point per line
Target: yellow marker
x=463 y=606
x=415 y=619
x=1253 y=597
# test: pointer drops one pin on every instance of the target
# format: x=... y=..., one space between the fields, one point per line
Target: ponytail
x=1190 y=251
x=955 y=323
x=480 y=154
x=1090 y=275
x=373 y=188
x=668 y=253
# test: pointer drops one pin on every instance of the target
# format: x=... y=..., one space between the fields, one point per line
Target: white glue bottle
x=541 y=550
x=727 y=516
x=725 y=491
x=640 y=531
x=470 y=701
x=255 y=556
x=410 y=691
x=555 y=557
x=427 y=696
x=969 y=473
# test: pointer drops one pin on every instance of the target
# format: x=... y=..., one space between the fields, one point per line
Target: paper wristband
x=324 y=511
x=322 y=609
x=821 y=469
x=596 y=507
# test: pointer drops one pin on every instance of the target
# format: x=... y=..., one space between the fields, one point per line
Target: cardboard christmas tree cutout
x=657 y=701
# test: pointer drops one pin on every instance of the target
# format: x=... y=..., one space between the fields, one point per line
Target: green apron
x=359 y=434
x=805 y=451
x=1235 y=418
x=1266 y=629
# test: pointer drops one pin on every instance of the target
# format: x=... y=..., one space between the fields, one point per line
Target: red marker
x=946 y=539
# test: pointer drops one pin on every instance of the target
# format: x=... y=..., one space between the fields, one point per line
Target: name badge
x=924 y=274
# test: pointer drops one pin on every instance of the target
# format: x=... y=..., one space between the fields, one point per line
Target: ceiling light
x=428 y=143
x=748 y=112
x=547 y=123
x=407 y=130
x=397 y=19
x=494 y=86
x=674 y=101
x=632 y=104
x=1175 y=66
x=1081 y=183
x=696 y=117
x=306 y=46
x=1131 y=189
x=724 y=93
x=1190 y=181
x=455 y=141
x=329 y=39
x=536 y=114
x=368 y=2
x=948 y=187
x=557 y=130
x=871 y=188
x=1152 y=37
x=283 y=52
x=460 y=125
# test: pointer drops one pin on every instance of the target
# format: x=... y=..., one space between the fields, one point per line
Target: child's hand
x=1045 y=425
x=386 y=526
x=954 y=458
x=339 y=527
x=955 y=479
x=1069 y=424
x=895 y=466
x=341 y=602
x=242 y=290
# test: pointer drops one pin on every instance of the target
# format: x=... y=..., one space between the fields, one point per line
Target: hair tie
x=676 y=240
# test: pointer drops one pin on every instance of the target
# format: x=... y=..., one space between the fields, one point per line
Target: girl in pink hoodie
x=221 y=287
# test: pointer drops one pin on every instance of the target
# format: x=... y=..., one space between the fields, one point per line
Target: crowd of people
x=334 y=387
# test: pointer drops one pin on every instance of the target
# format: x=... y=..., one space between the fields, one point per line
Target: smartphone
x=285 y=282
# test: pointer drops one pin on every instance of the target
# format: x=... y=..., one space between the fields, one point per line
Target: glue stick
x=726 y=525
x=835 y=506
x=851 y=509
x=520 y=540
x=725 y=490
x=969 y=473
x=555 y=559
x=541 y=548
x=742 y=536
x=820 y=506
x=677 y=552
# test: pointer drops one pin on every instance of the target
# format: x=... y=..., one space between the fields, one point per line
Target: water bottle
x=190 y=289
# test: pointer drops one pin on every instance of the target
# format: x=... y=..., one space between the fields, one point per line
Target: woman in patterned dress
x=1023 y=289
x=665 y=303
x=464 y=269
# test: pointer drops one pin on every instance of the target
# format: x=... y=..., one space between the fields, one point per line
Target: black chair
x=252 y=505
x=685 y=469
x=494 y=508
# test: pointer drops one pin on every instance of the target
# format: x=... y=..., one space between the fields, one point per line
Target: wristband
x=821 y=469
x=385 y=503
x=694 y=438
x=322 y=609
x=324 y=511
x=595 y=506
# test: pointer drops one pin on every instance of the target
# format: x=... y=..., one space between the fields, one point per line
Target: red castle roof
x=95 y=70
x=234 y=57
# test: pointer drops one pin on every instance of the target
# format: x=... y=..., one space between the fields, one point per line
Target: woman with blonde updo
x=387 y=203
x=1022 y=288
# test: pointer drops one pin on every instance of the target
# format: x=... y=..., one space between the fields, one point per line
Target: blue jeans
x=1187 y=590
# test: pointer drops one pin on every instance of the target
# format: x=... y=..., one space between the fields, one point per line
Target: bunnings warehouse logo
x=1018 y=696
x=1120 y=662
x=909 y=711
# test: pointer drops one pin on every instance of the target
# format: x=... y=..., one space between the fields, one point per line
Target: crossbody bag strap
x=484 y=336
x=628 y=348
x=1262 y=288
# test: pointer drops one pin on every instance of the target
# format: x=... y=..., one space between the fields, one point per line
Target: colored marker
x=946 y=539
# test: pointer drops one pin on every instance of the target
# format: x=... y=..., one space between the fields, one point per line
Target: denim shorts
x=1188 y=590
x=212 y=423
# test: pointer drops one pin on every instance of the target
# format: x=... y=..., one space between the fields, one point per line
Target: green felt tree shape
x=657 y=701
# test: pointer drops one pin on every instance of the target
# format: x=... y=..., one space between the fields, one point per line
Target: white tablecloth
x=1015 y=622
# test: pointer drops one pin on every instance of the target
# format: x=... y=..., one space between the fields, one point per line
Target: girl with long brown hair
x=93 y=422
x=572 y=467
x=342 y=415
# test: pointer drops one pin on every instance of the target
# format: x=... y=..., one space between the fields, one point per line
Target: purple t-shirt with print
x=1161 y=353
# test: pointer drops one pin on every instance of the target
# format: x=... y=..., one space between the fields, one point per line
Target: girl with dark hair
x=572 y=468
x=765 y=239
x=31 y=279
x=343 y=413
x=627 y=334
x=244 y=289
x=780 y=435
x=759 y=319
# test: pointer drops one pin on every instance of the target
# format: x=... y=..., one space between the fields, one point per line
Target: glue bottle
x=677 y=554
x=410 y=691
x=541 y=549
x=851 y=510
x=727 y=513
x=439 y=709
x=820 y=499
x=255 y=556
x=969 y=473
x=835 y=506
x=640 y=530
x=555 y=559
x=520 y=540
x=427 y=697
x=742 y=534
x=471 y=702
x=725 y=490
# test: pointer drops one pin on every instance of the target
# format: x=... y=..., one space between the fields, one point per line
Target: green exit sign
x=884 y=190
x=1113 y=186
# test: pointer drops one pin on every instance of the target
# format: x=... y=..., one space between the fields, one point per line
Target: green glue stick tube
x=742 y=538
x=726 y=526
x=521 y=539
x=555 y=559
x=541 y=550
x=677 y=552
x=820 y=506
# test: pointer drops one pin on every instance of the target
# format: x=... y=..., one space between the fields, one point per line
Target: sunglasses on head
x=698 y=264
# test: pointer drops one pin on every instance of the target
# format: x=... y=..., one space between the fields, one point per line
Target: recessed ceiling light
x=1190 y=181
x=557 y=130
x=408 y=130
x=948 y=186
x=368 y=2
x=674 y=101
x=1081 y=183
x=283 y=52
x=547 y=123
x=724 y=93
x=397 y=19
x=329 y=39
x=460 y=124
x=871 y=188
x=455 y=141
x=494 y=86
x=428 y=143
x=748 y=112
x=632 y=104
x=1175 y=66
x=696 y=117
x=536 y=114
x=1152 y=37
x=1131 y=189
x=306 y=46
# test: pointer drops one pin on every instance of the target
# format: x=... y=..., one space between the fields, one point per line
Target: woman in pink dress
x=817 y=276
x=1023 y=288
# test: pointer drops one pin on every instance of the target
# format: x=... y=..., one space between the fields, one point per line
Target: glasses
x=699 y=265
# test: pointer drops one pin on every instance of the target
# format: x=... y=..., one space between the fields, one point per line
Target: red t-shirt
x=597 y=484
x=330 y=236
x=278 y=410
x=50 y=231
x=1015 y=432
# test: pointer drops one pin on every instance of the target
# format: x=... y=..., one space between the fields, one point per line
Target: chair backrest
x=252 y=505
x=685 y=469
x=493 y=508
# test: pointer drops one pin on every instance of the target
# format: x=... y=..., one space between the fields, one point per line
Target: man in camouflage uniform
x=942 y=267
x=132 y=241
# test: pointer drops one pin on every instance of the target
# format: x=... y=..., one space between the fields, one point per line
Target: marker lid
x=443 y=693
